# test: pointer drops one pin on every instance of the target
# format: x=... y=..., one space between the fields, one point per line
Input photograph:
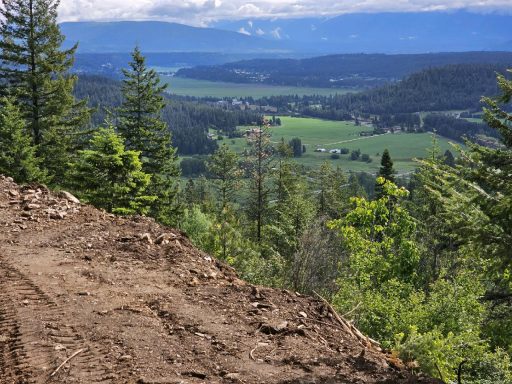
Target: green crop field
x=203 y=88
x=403 y=147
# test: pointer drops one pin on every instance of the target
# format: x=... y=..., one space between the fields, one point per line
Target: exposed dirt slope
x=78 y=283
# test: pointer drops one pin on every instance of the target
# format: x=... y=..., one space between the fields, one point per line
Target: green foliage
x=197 y=225
x=35 y=70
x=331 y=188
x=17 y=154
x=379 y=235
x=110 y=177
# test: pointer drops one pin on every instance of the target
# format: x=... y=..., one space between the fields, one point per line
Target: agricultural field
x=315 y=133
x=203 y=88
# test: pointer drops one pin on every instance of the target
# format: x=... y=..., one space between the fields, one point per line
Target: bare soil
x=117 y=302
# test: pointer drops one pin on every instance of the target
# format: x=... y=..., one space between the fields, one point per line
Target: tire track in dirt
x=35 y=338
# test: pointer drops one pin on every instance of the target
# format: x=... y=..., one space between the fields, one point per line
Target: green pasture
x=403 y=147
x=203 y=88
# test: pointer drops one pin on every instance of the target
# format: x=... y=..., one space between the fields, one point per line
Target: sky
x=202 y=12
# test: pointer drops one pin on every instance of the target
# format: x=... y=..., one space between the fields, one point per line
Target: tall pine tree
x=141 y=124
x=35 y=70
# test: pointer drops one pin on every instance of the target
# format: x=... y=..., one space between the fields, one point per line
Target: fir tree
x=140 y=115
x=141 y=124
x=35 y=70
x=386 y=171
x=17 y=153
x=110 y=177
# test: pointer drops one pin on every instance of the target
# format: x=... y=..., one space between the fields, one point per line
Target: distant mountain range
x=384 y=32
x=351 y=33
x=121 y=37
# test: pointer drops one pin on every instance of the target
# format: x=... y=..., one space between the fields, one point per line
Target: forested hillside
x=189 y=121
x=336 y=71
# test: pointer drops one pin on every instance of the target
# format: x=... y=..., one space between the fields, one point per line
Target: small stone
x=84 y=293
x=125 y=358
x=57 y=215
x=13 y=193
x=59 y=347
x=69 y=197
x=232 y=376
x=303 y=314
x=147 y=238
x=30 y=207
x=25 y=302
x=165 y=238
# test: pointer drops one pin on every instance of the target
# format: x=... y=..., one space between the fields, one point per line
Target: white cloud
x=260 y=32
x=243 y=31
x=276 y=33
x=200 y=12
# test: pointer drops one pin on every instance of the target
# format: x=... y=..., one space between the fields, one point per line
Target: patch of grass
x=203 y=88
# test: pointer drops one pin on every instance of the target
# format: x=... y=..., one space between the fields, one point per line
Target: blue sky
x=201 y=12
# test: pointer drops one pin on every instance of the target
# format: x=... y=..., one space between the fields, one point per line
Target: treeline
x=189 y=121
x=338 y=71
x=453 y=87
x=456 y=129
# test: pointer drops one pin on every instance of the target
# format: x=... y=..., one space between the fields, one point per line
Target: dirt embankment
x=88 y=297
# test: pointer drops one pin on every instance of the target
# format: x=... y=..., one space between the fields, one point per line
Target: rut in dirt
x=35 y=339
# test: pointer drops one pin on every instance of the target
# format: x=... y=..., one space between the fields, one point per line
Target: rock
x=26 y=214
x=31 y=207
x=14 y=193
x=165 y=238
x=232 y=376
x=59 y=347
x=147 y=238
x=303 y=314
x=84 y=293
x=9 y=179
x=57 y=215
x=69 y=197
x=273 y=329
x=125 y=358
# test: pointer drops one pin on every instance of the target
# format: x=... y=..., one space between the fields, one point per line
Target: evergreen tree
x=224 y=168
x=332 y=190
x=386 y=171
x=110 y=177
x=260 y=166
x=140 y=115
x=141 y=124
x=17 y=153
x=35 y=71
x=284 y=175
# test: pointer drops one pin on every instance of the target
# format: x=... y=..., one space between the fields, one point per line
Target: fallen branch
x=353 y=309
x=67 y=360
x=440 y=373
x=349 y=328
